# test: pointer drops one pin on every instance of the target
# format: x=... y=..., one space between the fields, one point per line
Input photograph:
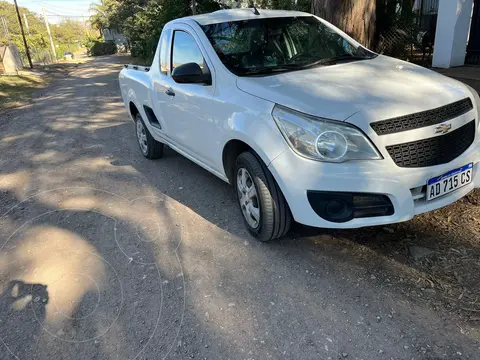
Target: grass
x=17 y=90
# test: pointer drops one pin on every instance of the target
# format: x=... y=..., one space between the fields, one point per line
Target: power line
x=54 y=7
x=67 y=16
x=51 y=13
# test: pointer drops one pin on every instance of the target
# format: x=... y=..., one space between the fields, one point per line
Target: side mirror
x=191 y=73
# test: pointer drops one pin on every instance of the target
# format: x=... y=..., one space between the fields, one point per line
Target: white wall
x=12 y=62
x=113 y=35
x=453 y=26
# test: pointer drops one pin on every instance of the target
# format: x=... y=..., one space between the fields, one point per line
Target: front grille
x=422 y=119
x=433 y=151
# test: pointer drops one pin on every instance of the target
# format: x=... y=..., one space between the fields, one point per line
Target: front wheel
x=150 y=148
x=261 y=201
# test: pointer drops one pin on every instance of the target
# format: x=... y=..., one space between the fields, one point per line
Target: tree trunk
x=356 y=17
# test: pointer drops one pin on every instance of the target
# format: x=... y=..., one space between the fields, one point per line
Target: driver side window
x=185 y=50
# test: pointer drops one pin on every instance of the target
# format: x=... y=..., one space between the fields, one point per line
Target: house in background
x=10 y=60
x=113 y=36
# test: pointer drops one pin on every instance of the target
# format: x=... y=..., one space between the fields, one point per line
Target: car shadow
x=439 y=276
x=238 y=289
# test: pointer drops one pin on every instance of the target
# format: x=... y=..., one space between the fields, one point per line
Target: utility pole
x=23 y=35
x=49 y=34
x=5 y=27
x=194 y=7
x=26 y=23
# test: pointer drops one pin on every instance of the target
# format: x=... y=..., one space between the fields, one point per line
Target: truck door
x=160 y=73
x=190 y=107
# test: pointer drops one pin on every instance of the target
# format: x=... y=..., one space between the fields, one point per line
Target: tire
x=275 y=217
x=150 y=148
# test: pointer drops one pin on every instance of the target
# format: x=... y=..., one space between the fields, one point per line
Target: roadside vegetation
x=142 y=24
x=387 y=26
x=397 y=28
x=68 y=35
x=20 y=89
x=17 y=90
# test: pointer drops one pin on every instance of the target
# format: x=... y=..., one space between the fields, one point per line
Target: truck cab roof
x=221 y=16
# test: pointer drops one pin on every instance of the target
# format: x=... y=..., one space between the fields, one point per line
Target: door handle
x=170 y=92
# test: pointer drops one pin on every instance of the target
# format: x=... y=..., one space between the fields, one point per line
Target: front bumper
x=296 y=175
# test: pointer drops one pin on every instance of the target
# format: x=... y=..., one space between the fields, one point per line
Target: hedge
x=102 y=48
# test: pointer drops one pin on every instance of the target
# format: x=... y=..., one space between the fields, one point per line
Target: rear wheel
x=150 y=148
x=261 y=201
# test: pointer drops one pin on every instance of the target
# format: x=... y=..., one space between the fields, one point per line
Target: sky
x=59 y=9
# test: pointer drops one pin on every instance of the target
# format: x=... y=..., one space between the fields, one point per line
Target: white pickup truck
x=304 y=122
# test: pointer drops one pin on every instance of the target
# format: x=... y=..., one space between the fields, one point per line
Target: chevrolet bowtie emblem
x=443 y=129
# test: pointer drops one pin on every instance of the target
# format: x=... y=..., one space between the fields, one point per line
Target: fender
x=272 y=142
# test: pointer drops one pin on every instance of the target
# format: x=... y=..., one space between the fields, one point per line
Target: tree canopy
x=141 y=21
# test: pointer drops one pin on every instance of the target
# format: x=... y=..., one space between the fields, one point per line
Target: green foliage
x=68 y=32
x=89 y=41
x=105 y=14
x=300 y=5
x=148 y=23
x=102 y=48
x=141 y=21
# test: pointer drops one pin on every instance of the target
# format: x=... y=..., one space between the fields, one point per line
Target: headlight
x=476 y=102
x=321 y=139
x=475 y=95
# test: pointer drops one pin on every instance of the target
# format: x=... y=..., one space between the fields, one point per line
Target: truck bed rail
x=137 y=67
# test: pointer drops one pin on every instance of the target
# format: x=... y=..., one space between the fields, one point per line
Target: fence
x=427 y=13
x=409 y=33
x=473 y=48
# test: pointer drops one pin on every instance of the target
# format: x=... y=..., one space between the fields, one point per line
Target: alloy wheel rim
x=248 y=198
x=142 y=137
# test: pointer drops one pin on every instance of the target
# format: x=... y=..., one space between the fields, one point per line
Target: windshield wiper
x=302 y=66
x=329 y=61
x=313 y=64
x=271 y=70
x=345 y=57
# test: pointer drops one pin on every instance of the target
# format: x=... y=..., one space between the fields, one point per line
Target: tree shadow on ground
x=234 y=297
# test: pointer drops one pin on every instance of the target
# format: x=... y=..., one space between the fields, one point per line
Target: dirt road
x=106 y=255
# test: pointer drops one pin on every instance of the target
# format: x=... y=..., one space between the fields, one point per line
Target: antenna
x=255 y=11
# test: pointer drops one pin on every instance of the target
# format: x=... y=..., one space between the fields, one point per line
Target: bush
x=102 y=48
x=41 y=55
x=62 y=48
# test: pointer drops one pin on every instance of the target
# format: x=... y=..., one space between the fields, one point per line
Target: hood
x=379 y=89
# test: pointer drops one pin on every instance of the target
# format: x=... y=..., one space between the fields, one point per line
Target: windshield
x=263 y=46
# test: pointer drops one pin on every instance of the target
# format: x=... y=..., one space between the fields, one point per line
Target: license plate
x=451 y=181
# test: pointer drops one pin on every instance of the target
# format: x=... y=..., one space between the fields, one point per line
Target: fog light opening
x=338 y=209
x=343 y=206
